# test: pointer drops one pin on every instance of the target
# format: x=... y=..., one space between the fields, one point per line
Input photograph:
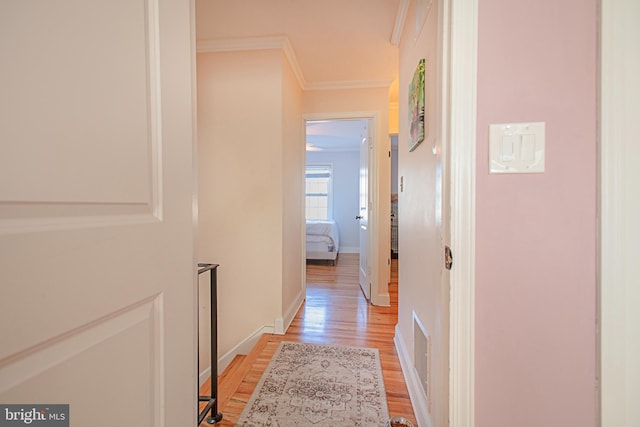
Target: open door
x=363 y=215
x=97 y=264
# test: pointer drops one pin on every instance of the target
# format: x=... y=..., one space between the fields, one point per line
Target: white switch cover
x=516 y=148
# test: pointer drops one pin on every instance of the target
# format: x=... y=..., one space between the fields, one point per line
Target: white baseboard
x=349 y=250
x=382 y=300
x=291 y=312
x=280 y=326
x=244 y=347
x=204 y=375
x=418 y=399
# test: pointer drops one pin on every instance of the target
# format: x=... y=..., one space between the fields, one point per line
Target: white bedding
x=323 y=239
x=328 y=229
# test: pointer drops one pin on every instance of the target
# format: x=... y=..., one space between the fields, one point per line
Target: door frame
x=618 y=295
x=462 y=18
x=374 y=218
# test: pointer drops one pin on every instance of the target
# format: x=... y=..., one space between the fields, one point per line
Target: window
x=318 y=192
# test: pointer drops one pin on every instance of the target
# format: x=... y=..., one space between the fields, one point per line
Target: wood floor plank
x=334 y=312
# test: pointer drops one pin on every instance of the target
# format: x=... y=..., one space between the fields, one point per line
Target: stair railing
x=212 y=399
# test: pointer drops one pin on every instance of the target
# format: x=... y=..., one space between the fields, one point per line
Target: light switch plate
x=516 y=148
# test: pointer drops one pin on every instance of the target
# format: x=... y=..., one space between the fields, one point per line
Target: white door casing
x=619 y=294
x=373 y=223
x=461 y=49
x=97 y=260
x=363 y=214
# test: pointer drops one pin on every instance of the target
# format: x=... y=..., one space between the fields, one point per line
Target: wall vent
x=422 y=357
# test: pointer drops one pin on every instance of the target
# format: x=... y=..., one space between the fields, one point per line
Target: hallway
x=335 y=312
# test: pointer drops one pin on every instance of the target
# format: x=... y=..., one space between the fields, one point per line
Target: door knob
x=448 y=258
x=358 y=217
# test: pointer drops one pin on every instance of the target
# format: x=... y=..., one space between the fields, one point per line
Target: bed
x=323 y=240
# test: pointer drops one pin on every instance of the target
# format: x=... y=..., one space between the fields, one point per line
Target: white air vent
x=422 y=357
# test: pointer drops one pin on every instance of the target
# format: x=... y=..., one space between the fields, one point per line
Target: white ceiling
x=335 y=135
x=333 y=40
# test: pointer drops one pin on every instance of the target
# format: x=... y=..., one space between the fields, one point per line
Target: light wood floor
x=335 y=312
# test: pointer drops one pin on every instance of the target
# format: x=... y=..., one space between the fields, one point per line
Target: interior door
x=363 y=215
x=97 y=265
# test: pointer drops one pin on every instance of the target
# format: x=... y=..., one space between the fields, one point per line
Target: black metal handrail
x=212 y=400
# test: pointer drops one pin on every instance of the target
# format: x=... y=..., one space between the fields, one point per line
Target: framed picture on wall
x=416 y=107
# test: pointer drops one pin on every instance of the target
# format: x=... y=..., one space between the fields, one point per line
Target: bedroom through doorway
x=337 y=184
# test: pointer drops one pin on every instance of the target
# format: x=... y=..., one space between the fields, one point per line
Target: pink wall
x=536 y=233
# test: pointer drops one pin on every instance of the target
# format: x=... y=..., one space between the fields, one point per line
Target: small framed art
x=416 y=107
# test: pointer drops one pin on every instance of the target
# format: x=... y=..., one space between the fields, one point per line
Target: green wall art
x=416 y=107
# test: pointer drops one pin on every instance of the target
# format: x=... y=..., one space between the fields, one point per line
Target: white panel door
x=97 y=265
x=363 y=215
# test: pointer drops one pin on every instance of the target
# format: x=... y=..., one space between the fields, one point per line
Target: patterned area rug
x=319 y=385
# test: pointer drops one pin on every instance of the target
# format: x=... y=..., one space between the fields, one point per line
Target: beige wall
x=251 y=164
x=422 y=289
x=375 y=100
x=394 y=113
x=240 y=186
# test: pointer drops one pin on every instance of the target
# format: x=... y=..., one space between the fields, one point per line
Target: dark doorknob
x=448 y=258
x=358 y=217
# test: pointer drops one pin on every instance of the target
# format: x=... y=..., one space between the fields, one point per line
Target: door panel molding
x=50 y=194
x=20 y=367
x=140 y=323
x=18 y=218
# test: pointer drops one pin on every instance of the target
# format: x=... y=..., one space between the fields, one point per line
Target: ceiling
x=343 y=42
x=335 y=135
x=333 y=40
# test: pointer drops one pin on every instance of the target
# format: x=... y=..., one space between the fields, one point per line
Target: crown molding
x=283 y=43
x=349 y=84
x=293 y=62
x=255 y=43
x=401 y=16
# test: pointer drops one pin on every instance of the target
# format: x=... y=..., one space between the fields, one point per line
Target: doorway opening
x=394 y=197
x=338 y=183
